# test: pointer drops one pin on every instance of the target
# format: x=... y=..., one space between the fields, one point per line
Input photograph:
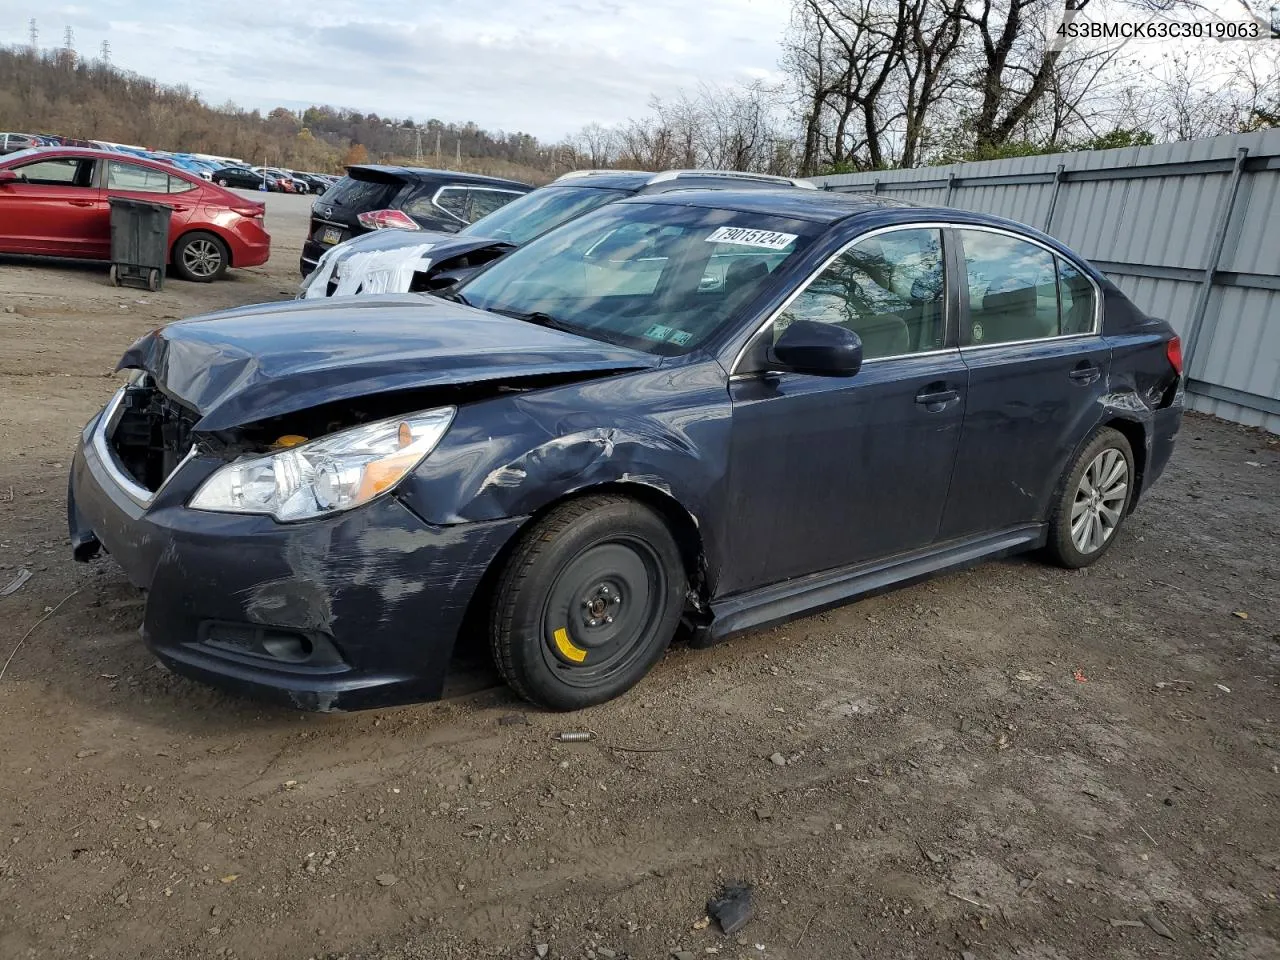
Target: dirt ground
x=1015 y=761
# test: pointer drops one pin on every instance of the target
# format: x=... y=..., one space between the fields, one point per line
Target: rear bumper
x=353 y=611
x=250 y=244
x=1165 y=424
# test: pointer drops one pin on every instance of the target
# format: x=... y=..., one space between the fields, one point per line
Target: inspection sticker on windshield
x=747 y=237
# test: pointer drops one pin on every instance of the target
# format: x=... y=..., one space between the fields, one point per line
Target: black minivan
x=373 y=197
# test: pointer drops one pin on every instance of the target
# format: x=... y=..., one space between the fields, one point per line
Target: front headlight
x=333 y=473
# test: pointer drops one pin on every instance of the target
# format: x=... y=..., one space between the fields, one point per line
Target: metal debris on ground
x=513 y=720
x=575 y=736
x=732 y=908
x=14 y=585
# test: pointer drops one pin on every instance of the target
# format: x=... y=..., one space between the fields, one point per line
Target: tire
x=200 y=257
x=1092 y=501
x=113 y=275
x=153 y=279
x=222 y=183
x=587 y=603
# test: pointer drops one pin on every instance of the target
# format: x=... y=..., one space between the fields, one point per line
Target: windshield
x=658 y=277
x=535 y=213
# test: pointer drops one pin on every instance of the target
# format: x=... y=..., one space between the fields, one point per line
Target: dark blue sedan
x=689 y=414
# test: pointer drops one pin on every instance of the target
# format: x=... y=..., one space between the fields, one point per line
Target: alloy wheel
x=202 y=258
x=1099 y=501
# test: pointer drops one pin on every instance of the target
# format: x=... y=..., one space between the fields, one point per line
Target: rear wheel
x=200 y=257
x=1093 y=501
x=222 y=183
x=587 y=603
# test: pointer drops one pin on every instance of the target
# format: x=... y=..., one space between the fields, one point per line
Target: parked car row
x=55 y=201
x=692 y=403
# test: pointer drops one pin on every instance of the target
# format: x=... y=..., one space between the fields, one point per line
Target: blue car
x=682 y=415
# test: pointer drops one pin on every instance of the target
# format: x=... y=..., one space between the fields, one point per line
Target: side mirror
x=9 y=176
x=822 y=349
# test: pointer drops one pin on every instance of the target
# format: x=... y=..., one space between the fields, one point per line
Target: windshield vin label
x=747 y=237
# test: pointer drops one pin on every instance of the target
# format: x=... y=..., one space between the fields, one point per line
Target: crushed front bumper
x=361 y=609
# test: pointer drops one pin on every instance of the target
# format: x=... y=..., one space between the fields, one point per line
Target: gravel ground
x=1015 y=761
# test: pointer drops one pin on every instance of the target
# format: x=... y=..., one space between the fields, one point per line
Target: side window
x=889 y=289
x=60 y=172
x=1076 y=298
x=1013 y=289
x=454 y=200
x=484 y=202
x=178 y=185
x=130 y=176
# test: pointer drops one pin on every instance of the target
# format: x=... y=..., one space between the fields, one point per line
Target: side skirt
x=779 y=602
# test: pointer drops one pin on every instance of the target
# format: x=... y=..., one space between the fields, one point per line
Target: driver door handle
x=935 y=396
x=1085 y=373
x=82 y=203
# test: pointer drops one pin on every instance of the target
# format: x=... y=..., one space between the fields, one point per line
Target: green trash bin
x=139 y=242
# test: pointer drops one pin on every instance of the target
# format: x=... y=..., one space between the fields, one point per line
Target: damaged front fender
x=512 y=456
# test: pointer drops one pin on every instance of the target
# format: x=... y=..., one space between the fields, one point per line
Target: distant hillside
x=56 y=93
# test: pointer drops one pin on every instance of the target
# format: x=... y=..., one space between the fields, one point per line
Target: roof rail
x=579 y=174
x=734 y=174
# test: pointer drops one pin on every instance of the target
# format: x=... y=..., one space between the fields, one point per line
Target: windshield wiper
x=542 y=320
x=444 y=293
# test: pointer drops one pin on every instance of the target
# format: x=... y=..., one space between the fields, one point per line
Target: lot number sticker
x=747 y=237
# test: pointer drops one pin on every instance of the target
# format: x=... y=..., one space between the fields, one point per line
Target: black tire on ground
x=200 y=257
x=113 y=274
x=222 y=183
x=153 y=279
x=587 y=603
x=1094 y=511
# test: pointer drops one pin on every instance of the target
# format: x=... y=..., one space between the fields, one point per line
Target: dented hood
x=249 y=364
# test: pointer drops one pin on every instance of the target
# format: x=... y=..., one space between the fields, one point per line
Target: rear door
x=138 y=182
x=55 y=210
x=1038 y=370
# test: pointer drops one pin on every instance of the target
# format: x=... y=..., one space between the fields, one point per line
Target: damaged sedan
x=684 y=415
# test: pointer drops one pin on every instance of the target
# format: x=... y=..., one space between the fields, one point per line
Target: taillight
x=253 y=213
x=387 y=219
x=1173 y=350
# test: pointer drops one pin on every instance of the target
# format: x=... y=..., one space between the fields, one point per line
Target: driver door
x=57 y=209
x=827 y=472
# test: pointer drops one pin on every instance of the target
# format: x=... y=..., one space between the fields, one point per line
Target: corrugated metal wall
x=1190 y=231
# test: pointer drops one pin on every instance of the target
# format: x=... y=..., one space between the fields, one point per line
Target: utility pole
x=437 y=149
x=417 y=155
x=34 y=33
x=457 y=155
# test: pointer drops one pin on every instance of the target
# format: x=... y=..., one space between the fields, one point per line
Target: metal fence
x=1189 y=231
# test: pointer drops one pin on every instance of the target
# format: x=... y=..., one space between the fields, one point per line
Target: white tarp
x=370 y=271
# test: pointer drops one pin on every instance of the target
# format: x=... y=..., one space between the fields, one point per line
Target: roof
x=386 y=171
x=819 y=206
x=96 y=153
x=664 y=180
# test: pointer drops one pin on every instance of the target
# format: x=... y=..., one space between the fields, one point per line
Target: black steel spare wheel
x=587 y=603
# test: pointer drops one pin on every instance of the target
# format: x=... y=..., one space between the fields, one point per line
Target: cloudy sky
x=543 y=66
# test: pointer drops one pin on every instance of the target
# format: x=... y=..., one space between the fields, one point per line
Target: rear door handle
x=82 y=203
x=1085 y=374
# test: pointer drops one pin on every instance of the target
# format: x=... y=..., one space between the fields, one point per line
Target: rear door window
x=1012 y=289
x=135 y=178
x=484 y=202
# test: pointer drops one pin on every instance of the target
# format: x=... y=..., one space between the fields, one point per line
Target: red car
x=53 y=202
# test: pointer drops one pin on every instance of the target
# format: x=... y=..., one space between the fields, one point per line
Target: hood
x=442 y=245
x=246 y=365
x=420 y=247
